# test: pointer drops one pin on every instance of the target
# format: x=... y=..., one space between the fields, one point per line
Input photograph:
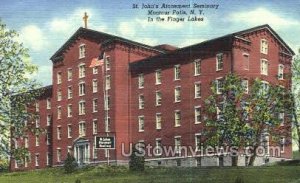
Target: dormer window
x=264 y=46
x=82 y=51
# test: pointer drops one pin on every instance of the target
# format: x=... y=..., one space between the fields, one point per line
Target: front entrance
x=82 y=151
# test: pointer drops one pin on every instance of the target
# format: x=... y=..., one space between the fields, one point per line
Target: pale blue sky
x=45 y=25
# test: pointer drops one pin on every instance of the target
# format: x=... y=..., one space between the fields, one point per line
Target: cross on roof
x=85 y=18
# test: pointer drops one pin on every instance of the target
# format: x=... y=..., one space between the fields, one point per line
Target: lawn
x=104 y=174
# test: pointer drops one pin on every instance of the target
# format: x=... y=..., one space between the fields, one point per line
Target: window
x=26 y=160
x=48 y=159
x=70 y=149
x=264 y=87
x=158 y=147
x=158 y=77
x=70 y=110
x=37 y=121
x=37 y=160
x=158 y=98
x=265 y=143
x=264 y=46
x=58 y=151
x=197 y=90
x=141 y=80
x=141 y=123
x=59 y=78
x=219 y=85
x=197 y=67
x=280 y=71
x=81 y=107
x=245 y=85
x=69 y=131
x=59 y=95
x=158 y=121
x=177 y=118
x=48 y=103
x=81 y=89
x=281 y=118
x=176 y=72
x=95 y=126
x=141 y=101
x=82 y=51
x=219 y=59
x=82 y=129
x=37 y=107
x=37 y=140
x=48 y=135
x=58 y=132
x=95 y=70
x=107 y=82
x=107 y=63
x=81 y=70
x=70 y=74
x=26 y=143
x=107 y=103
x=197 y=114
x=177 y=96
x=219 y=112
x=58 y=112
x=70 y=94
x=246 y=61
x=107 y=124
x=264 y=67
x=198 y=141
x=95 y=105
x=177 y=144
x=95 y=86
x=282 y=144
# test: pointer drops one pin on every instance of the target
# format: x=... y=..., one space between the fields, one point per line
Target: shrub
x=70 y=164
x=239 y=180
x=137 y=160
x=4 y=164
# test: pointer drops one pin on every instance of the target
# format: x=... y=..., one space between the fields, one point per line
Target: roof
x=98 y=36
x=228 y=38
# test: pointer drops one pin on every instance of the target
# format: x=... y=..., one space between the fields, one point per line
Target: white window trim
x=79 y=89
x=68 y=90
x=283 y=145
x=281 y=78
x=262 y=72
x=156 y=146
x=261 y=46
x=37 y=159
x=197 y=83
x=247 y=89
x=82 y=131
x=141 y=102
x=195 y=68
x=156 y=122
x=79 y=49
x=95 y=108
x=70 y=74
x=217 y=65
x=156 y=76
x=109 y=63
x=175 y=124
x=58 y=135
x=156 y=98
x=48 y=103
x=139 y=120
x=247 y=54
x=69 y=110
x=95 y=132
x=59 y=112
x=217 y=85
x=196 y=147
x=95 y=87
x=175 y=98
x=68 y=131
x=80 y=111
x=58 y=158
x=79 y=75
x=175 y=74
x=59 y=77
x=195 y=118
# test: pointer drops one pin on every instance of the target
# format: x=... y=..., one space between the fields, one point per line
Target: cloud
x=60 y=26
x=148 y=41
x=262 y=16
x=126 y=29
x=33 y=37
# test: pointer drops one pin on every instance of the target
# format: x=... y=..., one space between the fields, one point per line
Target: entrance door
x=81 y=154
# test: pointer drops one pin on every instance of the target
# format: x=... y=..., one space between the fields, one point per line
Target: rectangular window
x=264 y=46
x=59 y=78
x=37 y=140
x=281 y=118
x=141 y=80
x=37 y=121
x=81 y=107
x=197 y=114
x=81 y=89
x=95 y=105
x=82 y=51
x=95 y=70
x=69 y=131
x=197 y=67
x=219 y=86
x=81 y=70
x=70 y=110
x=220 y=61
x=70 y=74
x=176 y=72
x=70 y=93
x=280 y=71
x=26 y=142
x=107 y=103
x=95 y=126
x=177 y=144
x=141 y=101
x=198 y=141
x=158 y=147
x=37 y=107
x=95 y=86
x=141 y=123
x=177 y=95
x=37 y=160
x=58 y=155
x=107 y=63
x=26 y=161
x=48 y=159
x=107 y=82
x=246 y=61
x=58 y=112
x=107 y=124
x=158 y=98
x=264 y=67
x=48 y=136
x=197 y=89
x=219 y=112
x=59 y=95
x=82 y=129
x=58 y=133
x=282 y=144
x=48 y=103
x=264 y=87
x=158 y=77
x=245 y=85
x=158 y=121
x=177 y=118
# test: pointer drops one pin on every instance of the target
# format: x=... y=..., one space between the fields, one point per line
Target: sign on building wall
x=105 y=142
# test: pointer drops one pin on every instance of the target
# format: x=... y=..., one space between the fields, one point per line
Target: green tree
x=70 y=164
x=17 y=90
x=137 y=160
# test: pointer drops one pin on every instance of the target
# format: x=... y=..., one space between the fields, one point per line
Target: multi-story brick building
x=154 y=95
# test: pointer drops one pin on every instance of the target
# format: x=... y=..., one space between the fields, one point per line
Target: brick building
x=153 y=95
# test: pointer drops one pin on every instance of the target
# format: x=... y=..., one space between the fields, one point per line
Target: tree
x=137 y=160
x=17 y=90
x=70 y=164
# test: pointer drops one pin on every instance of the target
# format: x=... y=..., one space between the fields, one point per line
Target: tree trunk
x=234 y=160
x=252 y=157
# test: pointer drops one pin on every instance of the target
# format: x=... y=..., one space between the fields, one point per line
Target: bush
x=137 y=160
x=239 y=180
x=4 y=164
x=70 y=164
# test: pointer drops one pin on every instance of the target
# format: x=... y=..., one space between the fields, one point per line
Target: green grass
x=105 y=174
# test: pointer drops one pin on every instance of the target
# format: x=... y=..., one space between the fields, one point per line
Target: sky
x=44 y=26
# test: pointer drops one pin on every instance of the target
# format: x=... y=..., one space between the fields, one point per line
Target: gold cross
x=85 y=18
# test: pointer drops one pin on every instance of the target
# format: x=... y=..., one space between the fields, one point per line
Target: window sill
x=196 y=123
x=217 y=70
x=141 y=130
x=177 y=126
x=177 y=101
x=197 y=98
x=157 y=105
x=157 y=83
x=141 y=87
x=197 y=75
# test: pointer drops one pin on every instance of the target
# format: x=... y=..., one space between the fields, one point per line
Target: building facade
x=143 y=94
